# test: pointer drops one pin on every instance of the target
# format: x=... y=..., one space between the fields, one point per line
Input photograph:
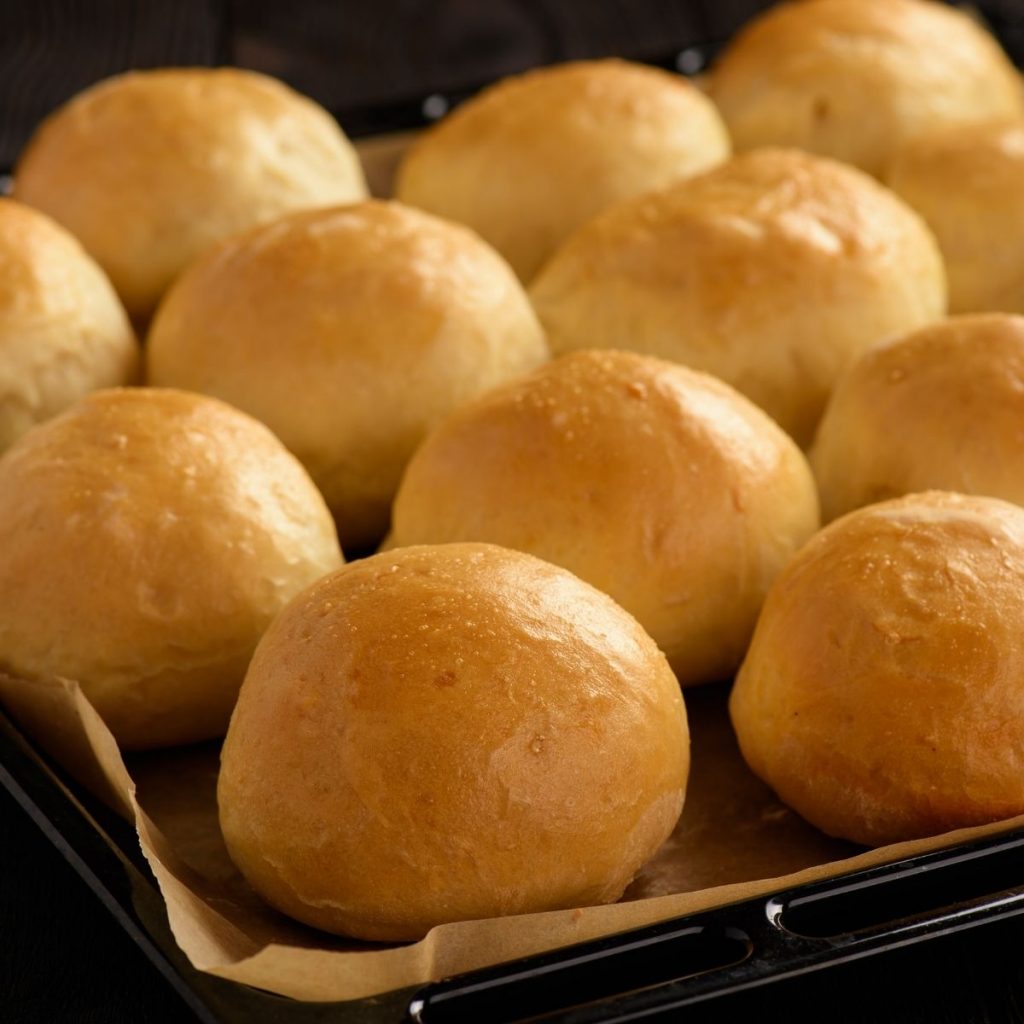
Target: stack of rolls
x=485 y=717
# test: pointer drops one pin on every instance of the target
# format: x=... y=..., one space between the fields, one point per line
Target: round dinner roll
x=773 y=272
x=854 y=79
x=883 y=694
x=147 y=538
x=349 y=332
x=942 y=407
x=447 y=733
x=536 y=155
x=968 y=184
x=658 y=485
x=150 y=167
x=63 y=332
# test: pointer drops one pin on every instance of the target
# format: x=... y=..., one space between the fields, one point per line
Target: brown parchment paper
x=734 y=841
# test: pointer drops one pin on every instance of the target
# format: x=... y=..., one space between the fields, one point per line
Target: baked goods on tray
x=855 y=79
x=659 y=485
x=63 y=331
x=450 y=732
x=149 y=168
x=968 y=184
x=941 y=407
x=536 y=155
x=349 y=332
x=147 y=538
x=881 y=697
x=773 y=271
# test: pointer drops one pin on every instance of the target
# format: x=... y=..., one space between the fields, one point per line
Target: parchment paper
x=735 y=840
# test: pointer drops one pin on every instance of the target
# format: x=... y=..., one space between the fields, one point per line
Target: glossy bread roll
x=536 y=155
x=968 y=184
x=445 y=733
x=883 y=694
x=658 y=485
x=942 y=407
x=349 y=332
x=773 y=272
x=147 y=538
x=63 y=332
x=854 y=79
x=150 y=167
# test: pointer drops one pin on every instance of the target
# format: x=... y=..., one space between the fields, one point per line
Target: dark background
x=62 y=956
x=354 y=56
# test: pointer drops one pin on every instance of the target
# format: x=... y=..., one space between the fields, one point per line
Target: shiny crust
x=349 y=332
x=942 y=407
x=658 y=485
x=63 y=332
x=882 y=696
x=147 y=538
x=968 y=184
x=854 y=79
x=536 y=155
x=773 y=272
x=445 y=733
x=148 y=168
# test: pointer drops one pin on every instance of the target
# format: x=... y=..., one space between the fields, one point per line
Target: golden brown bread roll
x=147 y=538
x=536 y=155
x=882 y=696
x=854 y=79
x=968 y=184
x=445 y=733
x=658 y=485
x=349 y=332
x=773 y=272
x=942 y=407
x=148 y=168
x=63 y=332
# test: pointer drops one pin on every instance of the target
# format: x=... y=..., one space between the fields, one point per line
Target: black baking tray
x=648 y=973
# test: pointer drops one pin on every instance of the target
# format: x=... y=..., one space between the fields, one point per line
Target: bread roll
x=445 y=733
x=63 y=332
x=147 y=538
x=148 y=168
x=660 y=486
x=968 y=184
x=883 y=694
x=536 y=155
x=773 y=272
x=854 y=79
x=942 y=407
x=349 y=332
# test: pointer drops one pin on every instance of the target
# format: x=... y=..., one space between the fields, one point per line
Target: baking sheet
x=734 y=841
